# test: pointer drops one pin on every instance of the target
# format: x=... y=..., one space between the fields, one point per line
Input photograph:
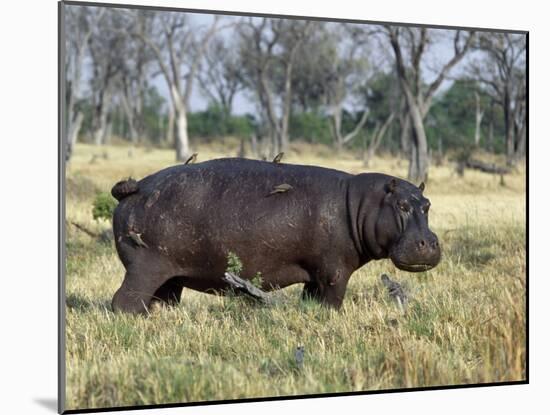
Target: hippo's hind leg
x=144 y=277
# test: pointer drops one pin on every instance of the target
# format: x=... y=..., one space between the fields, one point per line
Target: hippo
x=290 y=223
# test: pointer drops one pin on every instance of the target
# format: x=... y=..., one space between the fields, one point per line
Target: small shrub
x=257 y=280
x=103 y=207
x=234 y=264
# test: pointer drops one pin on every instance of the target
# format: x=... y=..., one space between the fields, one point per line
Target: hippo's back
x=234 y=205
x=239 y=173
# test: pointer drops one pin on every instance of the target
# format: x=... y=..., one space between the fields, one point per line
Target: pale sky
x=437 y=54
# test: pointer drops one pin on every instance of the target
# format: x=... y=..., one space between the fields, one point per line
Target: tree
x=106 y=63
x=502 y=70
x=419 y=98
x=462 y=113
x=383 y=101
x=79 y=23
x=220 y=80
x=346 y=76
x=135 y=71
x=376 y=138
x=177 y=45
x=269 y=50
x=312 y=70
x=479 y=118
x=152 y=115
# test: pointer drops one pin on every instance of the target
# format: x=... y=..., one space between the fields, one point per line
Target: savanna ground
x=465 y=322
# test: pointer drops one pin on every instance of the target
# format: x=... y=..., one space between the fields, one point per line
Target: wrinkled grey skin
x=327 y=225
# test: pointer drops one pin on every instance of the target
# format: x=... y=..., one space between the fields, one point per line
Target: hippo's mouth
x=413 y=267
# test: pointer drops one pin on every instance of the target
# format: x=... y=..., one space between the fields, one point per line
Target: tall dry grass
x=465 y=322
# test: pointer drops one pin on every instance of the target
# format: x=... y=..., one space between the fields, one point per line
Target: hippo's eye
x=404 y=206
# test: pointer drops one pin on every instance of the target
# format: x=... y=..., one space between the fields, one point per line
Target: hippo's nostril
x=422 y=243
x=435 y=244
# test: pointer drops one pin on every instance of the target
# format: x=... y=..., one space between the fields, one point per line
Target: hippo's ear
x=390 y=187
x=422 y=186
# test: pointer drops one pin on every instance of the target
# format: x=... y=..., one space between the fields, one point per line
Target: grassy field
x=465 y=322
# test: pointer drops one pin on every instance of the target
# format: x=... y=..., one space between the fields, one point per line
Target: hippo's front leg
x=329 y=291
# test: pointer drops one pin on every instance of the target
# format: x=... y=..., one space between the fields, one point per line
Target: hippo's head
x=402 y=227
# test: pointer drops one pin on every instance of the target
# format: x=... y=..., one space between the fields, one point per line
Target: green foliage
x=257 y=280
x=234 y=264
x=241 y=125
x=309 y=77
x=349 y=121
x=147 y=124
x=215 y=122
x=152 y=107
x=103 y=206
x=381 y=97
x=87 y=109
x=451 y=119
x=310 y=126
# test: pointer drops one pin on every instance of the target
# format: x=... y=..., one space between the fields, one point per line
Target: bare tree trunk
x=369 y=156
x=74 y=129
x=520 y=153
x=254 y=145
x=275 y=149
x=520 y=126
x=419 y=170
x=99 y=133
x=364 y=151
x=509 y=129
x=419 y=100
x=336 y=127
x=160 y=128
x=177 y=47
x=182 y=140
x=283 y=137
x=107 y=133
x=510 y=151
x=479 y=118
x=377 y=136
x=170 y=126
x=101 y=121
x=491 y=139
x=242 y=150
x=75 y=116
x=405 y=136
x=130 y=119
x=522 y=134
x=413 y=159
x=274 y=126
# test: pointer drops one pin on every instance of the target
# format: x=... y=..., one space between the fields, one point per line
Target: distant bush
x=312 y=127
x=214 y=122
x=103 y=207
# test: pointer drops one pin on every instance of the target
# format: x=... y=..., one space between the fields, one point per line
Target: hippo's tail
x=124 y=188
